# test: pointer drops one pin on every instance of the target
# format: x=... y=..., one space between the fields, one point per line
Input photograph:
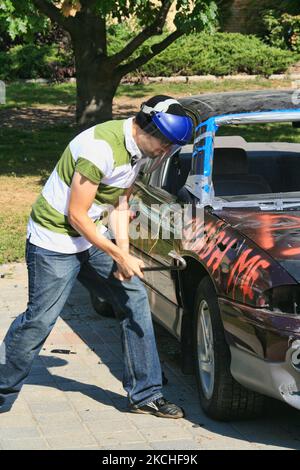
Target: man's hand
x=129 y=267
x=82 y=196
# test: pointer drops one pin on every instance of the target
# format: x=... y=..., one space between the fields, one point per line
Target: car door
x=153 y=228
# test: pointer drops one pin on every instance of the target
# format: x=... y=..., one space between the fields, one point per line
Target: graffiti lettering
x=246 y=272
x=218 y=255
x=214 y=243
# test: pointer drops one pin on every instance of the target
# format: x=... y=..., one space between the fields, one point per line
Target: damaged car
x=226 y=209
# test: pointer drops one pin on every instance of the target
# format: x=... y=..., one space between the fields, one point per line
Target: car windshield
x=257 y=164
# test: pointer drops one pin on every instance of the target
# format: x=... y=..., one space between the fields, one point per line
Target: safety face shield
x=150 y=164
x=155 y=147
x=163 y=135
x=177 y=129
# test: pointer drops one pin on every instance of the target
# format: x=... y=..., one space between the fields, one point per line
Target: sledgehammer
x=180 y=267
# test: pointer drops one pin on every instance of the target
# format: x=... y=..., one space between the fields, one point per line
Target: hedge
x=30 y=61
x=196 y=54
x=220 y=54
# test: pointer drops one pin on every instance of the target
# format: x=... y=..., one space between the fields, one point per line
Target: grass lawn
x=21 y=95
x=27 y=156
x=277 y=132
x=32 y=152
x=16 y=196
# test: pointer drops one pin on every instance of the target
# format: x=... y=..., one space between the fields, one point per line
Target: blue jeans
x=51 y=277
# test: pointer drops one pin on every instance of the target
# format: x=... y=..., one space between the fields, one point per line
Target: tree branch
x=87 y=4
x=155 y=28
x=53 y=13
x=143 y=59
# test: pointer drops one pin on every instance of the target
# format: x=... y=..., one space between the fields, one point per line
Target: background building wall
x=236 y=22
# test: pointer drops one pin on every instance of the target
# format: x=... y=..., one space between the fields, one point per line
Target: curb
x=185 y=78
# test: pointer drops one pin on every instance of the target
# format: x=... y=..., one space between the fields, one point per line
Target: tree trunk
x=96 y=88
x=96 y=79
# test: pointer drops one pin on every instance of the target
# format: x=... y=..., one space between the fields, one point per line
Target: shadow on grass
x=20 y=94
x=33 y=152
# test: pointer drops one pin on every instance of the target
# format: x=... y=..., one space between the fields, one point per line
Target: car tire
x=221 y=396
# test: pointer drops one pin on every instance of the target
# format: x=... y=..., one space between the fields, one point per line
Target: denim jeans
x=51 y=276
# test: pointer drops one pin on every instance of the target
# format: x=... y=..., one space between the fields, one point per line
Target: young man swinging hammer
x=98 y=167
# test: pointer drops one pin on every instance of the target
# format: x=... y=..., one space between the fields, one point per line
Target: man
x=64 y=242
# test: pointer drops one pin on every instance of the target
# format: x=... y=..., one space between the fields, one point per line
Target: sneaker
x=160 y=407
x=5 y=405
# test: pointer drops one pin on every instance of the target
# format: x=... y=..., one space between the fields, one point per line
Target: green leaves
x=283 y=30
x=19 y=18
x=201 y=16
x=219 y=54
x=122 y=9
x=22 y=17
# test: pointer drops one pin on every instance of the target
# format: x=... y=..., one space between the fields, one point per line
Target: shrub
x=219 y=54
x=283 y=30
x=31 y=61
x=195 y=54
x=257 y=9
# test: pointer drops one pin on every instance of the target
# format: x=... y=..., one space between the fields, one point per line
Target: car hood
x=277 y=233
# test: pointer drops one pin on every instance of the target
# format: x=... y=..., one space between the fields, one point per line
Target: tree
x=257 y=9
x=98 y=74
x=19 y=21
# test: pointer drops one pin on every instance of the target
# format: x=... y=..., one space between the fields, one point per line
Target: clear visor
x=150 y=164
x=159 y=148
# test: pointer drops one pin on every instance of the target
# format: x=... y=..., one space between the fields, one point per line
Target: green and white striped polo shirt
x=102 y=154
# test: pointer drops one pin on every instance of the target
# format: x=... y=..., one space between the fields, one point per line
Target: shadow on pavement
x=279 y=426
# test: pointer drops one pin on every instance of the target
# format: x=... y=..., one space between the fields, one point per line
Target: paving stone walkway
x=76 y=400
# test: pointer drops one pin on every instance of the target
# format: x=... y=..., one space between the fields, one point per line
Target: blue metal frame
x=226 y=119
x=199 y=181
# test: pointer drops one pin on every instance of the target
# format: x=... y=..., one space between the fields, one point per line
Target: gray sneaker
x=5 y=405
x=160 y=407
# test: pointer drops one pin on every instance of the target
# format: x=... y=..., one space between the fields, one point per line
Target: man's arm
x=83 y=192
x=119 y=221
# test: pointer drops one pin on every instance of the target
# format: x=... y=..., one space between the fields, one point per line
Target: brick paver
x=76 y=401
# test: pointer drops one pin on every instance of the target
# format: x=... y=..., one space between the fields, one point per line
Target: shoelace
x=161 y=401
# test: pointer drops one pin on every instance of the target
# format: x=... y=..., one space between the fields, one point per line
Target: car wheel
x=102 y=307
x=221 y=396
